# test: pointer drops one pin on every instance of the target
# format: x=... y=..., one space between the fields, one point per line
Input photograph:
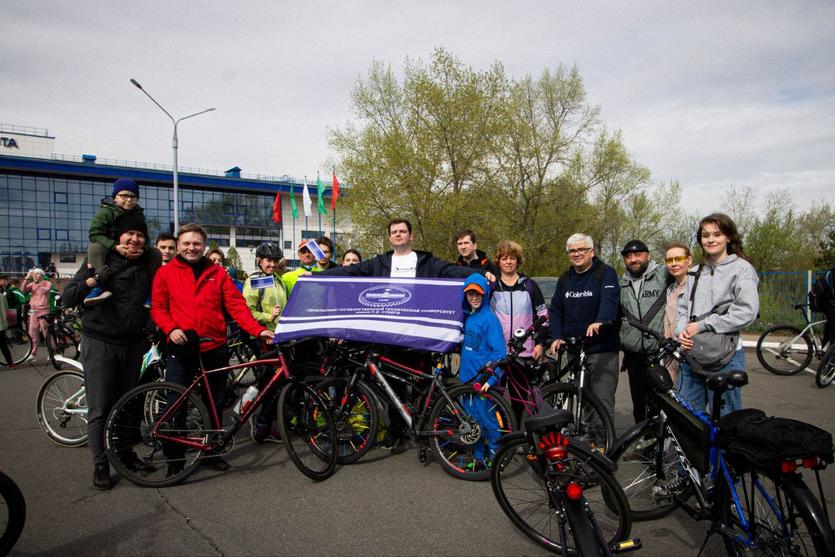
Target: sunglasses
x=676 y=259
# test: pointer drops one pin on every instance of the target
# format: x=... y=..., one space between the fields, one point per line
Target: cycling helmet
x=268 y=250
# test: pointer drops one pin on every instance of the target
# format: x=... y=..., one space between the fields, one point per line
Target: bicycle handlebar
x=671 y=347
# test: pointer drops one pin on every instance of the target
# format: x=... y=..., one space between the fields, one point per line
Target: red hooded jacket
x=179 y=301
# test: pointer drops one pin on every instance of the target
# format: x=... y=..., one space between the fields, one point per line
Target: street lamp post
x=174 y=147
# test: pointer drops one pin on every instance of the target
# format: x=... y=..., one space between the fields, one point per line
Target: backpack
x=821 y=296
x=752 y=439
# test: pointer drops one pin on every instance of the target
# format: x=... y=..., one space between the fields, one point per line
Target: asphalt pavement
x=385 y=505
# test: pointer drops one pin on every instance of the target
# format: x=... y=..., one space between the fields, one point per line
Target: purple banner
x=414 y=313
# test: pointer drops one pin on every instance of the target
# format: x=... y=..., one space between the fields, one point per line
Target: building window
x=288 y=244
x=62 y=234
x=44 y=234
x=60 y=198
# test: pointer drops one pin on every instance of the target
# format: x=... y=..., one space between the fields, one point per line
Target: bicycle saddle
x=548 y=417
x=725 y=379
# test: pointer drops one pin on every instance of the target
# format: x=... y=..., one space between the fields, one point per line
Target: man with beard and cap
x=642 y=298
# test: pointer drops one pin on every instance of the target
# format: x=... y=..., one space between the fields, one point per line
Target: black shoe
x=135 y=464
x=101 y=476
x=215 y=463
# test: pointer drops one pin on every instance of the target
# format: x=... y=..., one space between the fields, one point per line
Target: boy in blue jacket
x=483 y=342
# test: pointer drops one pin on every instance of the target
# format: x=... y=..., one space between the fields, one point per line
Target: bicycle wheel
x=308 y=431
x=595 y=427
x=466 y=433
x=826 y=369
x=62 y=408
x=20 y=345
x=530 y=494
x=647 y=467
x=12 y=513
x=356 y=424
x=136 y=442
x=785 y=518
x=782 y=349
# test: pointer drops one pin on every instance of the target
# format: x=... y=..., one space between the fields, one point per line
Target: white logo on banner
x=384 y=296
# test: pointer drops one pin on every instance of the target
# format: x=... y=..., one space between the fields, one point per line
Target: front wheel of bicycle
x=308 y=431
x=354 y=413
x=783 y=350
x=595 y=426
x=529 y=489
x=647 y=467
x=784 y=517
x=826 y=369
x=20 y=346
x=12 y=513
x=465 y=434
x=151 y=446
x=61 y=407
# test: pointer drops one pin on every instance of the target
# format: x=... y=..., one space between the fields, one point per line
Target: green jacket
x=290 y=277
x=262 y=301
x=652 y=286
x=15 y=297
x=103 y=225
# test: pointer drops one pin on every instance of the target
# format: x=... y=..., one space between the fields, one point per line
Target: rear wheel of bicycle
x=12 y=513
x=62 y=408
x=781 y=349
x=466 y=433
x=20 y=346
x=647 y=467
x=356 y=424
x=595 y=427
x=826 y=369
x=308 y=431
x=530 y=496
x=785 y=518
x=135 y=448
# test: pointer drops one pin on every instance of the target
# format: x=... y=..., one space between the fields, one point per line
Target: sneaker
x=258 y=431
x=101 y=476
x=215 y=463
x=135 y=464
x=96 y=296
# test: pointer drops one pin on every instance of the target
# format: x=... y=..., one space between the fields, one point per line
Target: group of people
x=24 y=304
x=191 y=297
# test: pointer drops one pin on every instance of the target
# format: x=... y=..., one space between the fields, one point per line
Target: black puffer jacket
x=122 y=318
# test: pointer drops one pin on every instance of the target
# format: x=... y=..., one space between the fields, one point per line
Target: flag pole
x=318 y=203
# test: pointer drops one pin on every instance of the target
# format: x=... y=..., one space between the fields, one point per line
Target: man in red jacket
x=188 y=301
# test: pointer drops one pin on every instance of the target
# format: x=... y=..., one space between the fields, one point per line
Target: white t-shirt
x=404 y=266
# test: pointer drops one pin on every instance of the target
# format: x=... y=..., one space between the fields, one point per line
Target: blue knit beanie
x=125 y=184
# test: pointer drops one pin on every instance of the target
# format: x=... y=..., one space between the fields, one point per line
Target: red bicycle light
x=788 y=466
x=573 y=491
x=810 y=462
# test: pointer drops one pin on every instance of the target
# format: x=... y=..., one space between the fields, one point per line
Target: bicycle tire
x=11 y=524
x=459 y=437
x=356 y=427
x=826 y=369
x=637 y=470
x=20 y=345
x=786 y=359
x=595 y=427
x=129 y=434
x=804 y=530
x=523 y=493
x=52 y=348
x=64 y=428
x=307 y=430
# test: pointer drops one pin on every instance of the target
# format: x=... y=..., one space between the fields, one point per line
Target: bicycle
x=784 y=349
x=438 y=417
x=826 y=369
x=524 y=376
x=172 y=429
x=61 y=405
x=60 y=338
x=20 y=345
x=12 y=513
x=678 y=454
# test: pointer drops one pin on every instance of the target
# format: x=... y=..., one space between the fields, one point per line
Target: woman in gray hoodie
x=726 y=281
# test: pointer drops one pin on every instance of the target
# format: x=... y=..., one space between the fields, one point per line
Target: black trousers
x=636 y=365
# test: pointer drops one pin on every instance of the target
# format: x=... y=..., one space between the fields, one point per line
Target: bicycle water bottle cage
x=548 y=418
x=724 y=379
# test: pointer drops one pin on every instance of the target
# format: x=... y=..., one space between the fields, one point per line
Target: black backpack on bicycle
x=753 y=440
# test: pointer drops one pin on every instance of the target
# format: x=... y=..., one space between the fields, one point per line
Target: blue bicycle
x=678 y=458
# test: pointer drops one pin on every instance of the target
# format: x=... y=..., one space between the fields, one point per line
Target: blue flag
x=259 y=283
x=416 y=313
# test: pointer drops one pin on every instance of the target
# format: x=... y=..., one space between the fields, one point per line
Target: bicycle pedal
x=626 y=546
x=423 y=456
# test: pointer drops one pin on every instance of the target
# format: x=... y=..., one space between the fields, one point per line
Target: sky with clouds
x=709 y=93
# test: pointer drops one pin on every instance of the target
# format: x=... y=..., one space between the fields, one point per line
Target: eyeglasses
x=126 y=195
x=577 y=251
x=676 y=259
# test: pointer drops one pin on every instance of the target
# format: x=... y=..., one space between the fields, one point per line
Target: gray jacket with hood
x=734 y=283
x=649 y=286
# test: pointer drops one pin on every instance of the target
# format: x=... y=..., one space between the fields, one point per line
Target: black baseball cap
x=634 y=246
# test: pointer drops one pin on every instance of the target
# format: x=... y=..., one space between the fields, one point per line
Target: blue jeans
x=693 y=388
